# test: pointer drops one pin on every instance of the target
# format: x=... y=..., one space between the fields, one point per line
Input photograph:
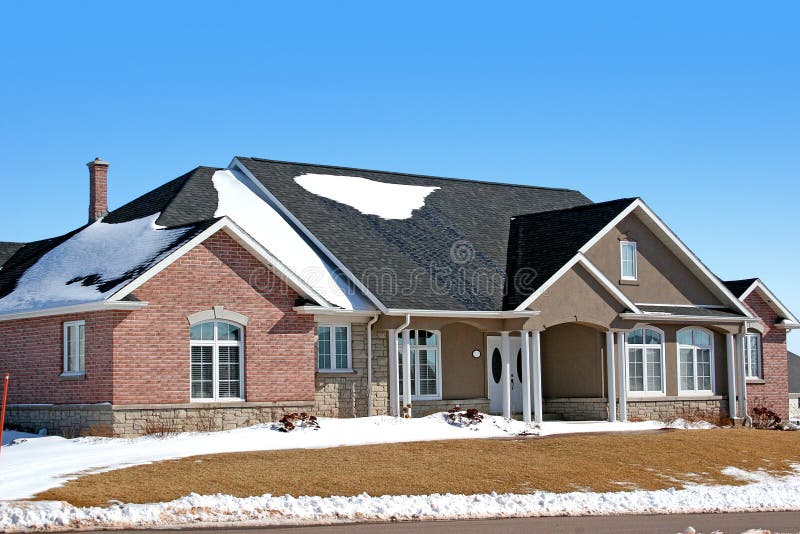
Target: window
x=425 y=364
x=645 y=361
x=695 y=361
x=752 y=356
x=333 y=348
x=627 y=251
x=217 y=353
x=74 y=347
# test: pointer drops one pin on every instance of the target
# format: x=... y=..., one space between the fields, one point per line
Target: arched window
x=695 y=361
x=217 y=361
x=646 y=361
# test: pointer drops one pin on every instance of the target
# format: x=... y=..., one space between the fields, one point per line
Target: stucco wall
x=573 y=362
x=463 y=377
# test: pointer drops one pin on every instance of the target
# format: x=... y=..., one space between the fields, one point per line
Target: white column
x=536 y=375
x=612 y=383
x=394 y=383
x=730 y=345
x=623 y=376
x=505 y=351
x=526 y=375
x=406 y=370
x=742 y=389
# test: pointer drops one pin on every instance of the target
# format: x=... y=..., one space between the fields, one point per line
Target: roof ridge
x=578 y=208
x=751 y=280
x=415 y=175
x=189 y=175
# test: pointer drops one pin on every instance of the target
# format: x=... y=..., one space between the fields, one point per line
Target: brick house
x=229 y=296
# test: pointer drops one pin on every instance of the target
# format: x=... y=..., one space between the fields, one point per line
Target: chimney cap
x=97 y=161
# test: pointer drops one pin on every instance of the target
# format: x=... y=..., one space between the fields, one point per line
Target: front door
x=494 y=372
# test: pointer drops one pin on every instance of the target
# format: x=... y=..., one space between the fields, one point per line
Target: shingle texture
x=451 y=254
x=540 y=243
x=7 y=250
x=738 y=287
x=692 y=311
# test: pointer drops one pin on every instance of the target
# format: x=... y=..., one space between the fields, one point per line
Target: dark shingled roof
x=794 y=372
x=7 y=250
x=738 y=287
x=694 y=311
x=451 y=254
x=541 y=243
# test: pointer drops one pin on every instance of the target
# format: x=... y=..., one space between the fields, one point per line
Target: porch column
x=730 y=345
x=623 y=376
x=611 y=369
x=394 y=383
x=505 y=351
x=406 y=371
x=742 y=389
x=536 y=375
x=526 y=375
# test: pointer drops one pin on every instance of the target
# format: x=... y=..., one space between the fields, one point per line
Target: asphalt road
x=775 y=522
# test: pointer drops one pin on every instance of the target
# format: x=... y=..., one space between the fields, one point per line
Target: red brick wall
x=151 y=345
x=774 y=392
x=32 y=351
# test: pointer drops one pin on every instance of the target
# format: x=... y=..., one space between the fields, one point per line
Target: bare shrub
x=695 y=415
x=290 y=421
x=161 y=428
x=469 y=417
x=98 y=431
x=763 y=416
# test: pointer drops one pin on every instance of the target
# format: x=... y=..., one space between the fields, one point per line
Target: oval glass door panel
x=519 y=365
x=497 y=366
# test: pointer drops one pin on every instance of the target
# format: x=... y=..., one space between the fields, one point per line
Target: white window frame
x=215 y=343
x=759 y=374
x=414 y=347
x=334 y=369
x=644 y=346
x=80 y=371
x=622 y=245
x=696 y=392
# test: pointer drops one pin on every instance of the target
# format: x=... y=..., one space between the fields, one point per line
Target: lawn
x=598 y=462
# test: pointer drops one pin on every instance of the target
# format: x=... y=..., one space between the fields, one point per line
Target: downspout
x=399 y=330
x=369 y=364
x=744 y=379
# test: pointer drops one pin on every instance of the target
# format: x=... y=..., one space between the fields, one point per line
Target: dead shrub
x=161 y=428
x=290 y=421
x=458 y=417
x=98 y=431
x=763 y=416
x=696 y=415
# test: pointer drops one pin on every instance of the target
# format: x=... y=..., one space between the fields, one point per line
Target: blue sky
x=692 y=106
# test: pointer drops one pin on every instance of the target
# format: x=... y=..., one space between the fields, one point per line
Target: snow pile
x=92 y=264
x=683 y=424
x=766 y=494
x=387 y=201
x=12 y=435
x=262 y=222
x=38 y=464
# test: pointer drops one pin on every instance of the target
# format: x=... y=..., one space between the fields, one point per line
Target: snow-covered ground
x=30 y=466
x=764 y=492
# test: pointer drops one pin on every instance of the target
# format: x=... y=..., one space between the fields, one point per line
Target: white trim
x=215 y=344
x=612 y=383
x=712 y=369
x=217 y=312
x=76 y=308
x=320 y=312
x=332 y=341
x=622 y=349
x=415 y=346
x=666 y=318
x=235 y=164
x=644 y=346
x=477 y=314
x=622 y=276
x=772 y=300
x=759 y=357
x=242 y=238
x=579 y=258
x=708 y=306
x=81 y=370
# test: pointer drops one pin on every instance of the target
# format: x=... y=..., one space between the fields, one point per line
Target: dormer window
x=627 y=250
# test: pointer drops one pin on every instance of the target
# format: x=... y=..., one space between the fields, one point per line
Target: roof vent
x=98 y=189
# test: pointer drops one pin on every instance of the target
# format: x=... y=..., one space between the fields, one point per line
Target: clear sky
x=694 y=106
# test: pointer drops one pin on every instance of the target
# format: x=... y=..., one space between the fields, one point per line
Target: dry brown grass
x=600 y=462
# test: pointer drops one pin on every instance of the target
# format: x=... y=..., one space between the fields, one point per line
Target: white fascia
x=474 y=314
x=76 y=308
x=683 y=318
x=789 y=320
x=325 y=311
x=235 y=164
x=580 y=259
x=245 y=240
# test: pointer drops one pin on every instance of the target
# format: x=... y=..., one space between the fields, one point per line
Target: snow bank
x=683 y=424
x=12 y=435
x=768 y=494
x=388 y=201
x=35 y=465
x=91 y=265
x=262 y=222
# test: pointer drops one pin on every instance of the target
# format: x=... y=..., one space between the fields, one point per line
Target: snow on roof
x=388 y=201
x=263 y=223
x=92 y=265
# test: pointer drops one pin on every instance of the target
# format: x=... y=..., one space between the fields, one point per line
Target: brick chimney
x=98 y=189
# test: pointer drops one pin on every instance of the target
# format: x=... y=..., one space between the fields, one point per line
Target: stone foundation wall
x=667 y=409
x=423 y=408
x=794 y=406
x=576 y=409
x=69 y=420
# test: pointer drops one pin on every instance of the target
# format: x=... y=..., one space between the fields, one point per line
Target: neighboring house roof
x=449 y=254
x=794 y=372
x=541 y=243
x=743 y=288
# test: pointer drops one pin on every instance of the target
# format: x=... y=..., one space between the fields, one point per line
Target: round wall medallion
x=476 y=353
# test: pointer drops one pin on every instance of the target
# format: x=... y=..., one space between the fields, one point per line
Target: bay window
x=217 y=366
x=695 y=361
x=645 y=361
x=425 y=364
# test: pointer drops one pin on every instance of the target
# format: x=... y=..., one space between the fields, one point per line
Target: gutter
x=683 y=318
x=488 y=314
x=104 y=305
